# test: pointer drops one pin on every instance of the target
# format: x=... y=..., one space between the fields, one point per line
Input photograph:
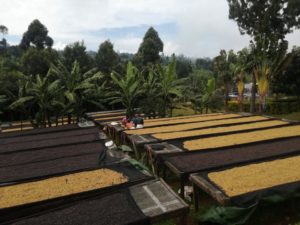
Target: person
x=125 y=120
x=138 y=121
x=127 y=123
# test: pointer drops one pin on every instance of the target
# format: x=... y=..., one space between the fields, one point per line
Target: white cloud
x=129 y=44
x=203 y=26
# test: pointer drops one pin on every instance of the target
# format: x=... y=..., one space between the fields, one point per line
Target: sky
x=195 y=28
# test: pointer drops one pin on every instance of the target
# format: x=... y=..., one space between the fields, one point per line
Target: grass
x=291 y=116
x=183 y=110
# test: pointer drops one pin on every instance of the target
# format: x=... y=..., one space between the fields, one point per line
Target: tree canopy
x=268 y=22
x=36 y=35
x=148 y=52
x=106 y=58
x=76 y=52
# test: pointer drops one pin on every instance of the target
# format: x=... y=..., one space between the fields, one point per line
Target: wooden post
x=196 y=197
x=181 y=188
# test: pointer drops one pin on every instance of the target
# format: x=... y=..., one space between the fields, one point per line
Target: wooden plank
x=209 y=188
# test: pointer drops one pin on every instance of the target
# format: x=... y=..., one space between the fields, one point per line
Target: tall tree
x=150 y=48
x=183 y=66
x=288 y=81
x=77 y=52
x=267 y=22
x=36 y=35
x=194 y=88
x=222 y=67
x=106 y=58
x=3 y=30
x=203 y=63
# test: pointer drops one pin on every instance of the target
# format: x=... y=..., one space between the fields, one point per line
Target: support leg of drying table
x=196 y=197
x=182 y=188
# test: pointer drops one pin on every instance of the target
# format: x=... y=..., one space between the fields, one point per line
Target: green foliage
x=148 y=52
x=77 y=88
x=150 y=99
x=287 y=80
x=222 y=67
x=194 y=88
x=40 y=93
x=77 y=52
x=128 y=89
x=203 y=63
x=170 y=86
x=183 y=66
x=267 y=22
x=37 y=61
x=209 y=91
x=36 y=35
x=106 y=58
x=2 y=101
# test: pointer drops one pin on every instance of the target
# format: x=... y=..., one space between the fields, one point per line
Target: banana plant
x=170 y=86
x=150 y=91
x=128 y=89
x=76 y=87
x=40 y=93
x=262 y=73
x=239 y=74
x=208 y=95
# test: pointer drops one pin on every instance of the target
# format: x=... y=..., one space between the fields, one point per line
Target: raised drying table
x=246 y=184
x=141 y=204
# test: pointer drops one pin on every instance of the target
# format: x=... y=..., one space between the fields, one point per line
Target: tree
x=106 y=58
x=128 y=89
x=36 y=35
x=150 y=97
x=194 y=88
x=222 y=67
x=262 y=74
x=183 y=66
x=21 y=99
x=150 y=48
x=240 y=83
x=211 y=98
x=203 y=63
x=41 y=94
x=169 y=85
x=77 y=52
x=288 y=80
x=3 y=43
x=76 y=87
x=267 y=22
x=3 y=30
x=37 y=61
